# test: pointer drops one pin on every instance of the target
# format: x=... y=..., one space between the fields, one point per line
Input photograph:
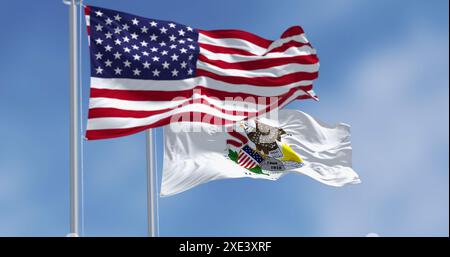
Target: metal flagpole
x=150 y=184
x=73 y=143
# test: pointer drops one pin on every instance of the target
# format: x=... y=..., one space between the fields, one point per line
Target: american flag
x=248 y=158
x=147 y=73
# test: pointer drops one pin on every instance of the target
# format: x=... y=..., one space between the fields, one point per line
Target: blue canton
x=252 y=153
x=127 y=46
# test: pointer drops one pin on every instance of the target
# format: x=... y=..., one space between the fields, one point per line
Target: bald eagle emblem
x=261 y=149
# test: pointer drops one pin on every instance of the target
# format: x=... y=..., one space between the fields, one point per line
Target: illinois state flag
x=260 y=148
x=147 y=73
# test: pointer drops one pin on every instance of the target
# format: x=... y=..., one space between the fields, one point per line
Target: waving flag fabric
x=295 y=143
x=147 y=73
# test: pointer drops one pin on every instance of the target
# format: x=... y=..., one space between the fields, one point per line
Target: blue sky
x=384 y=70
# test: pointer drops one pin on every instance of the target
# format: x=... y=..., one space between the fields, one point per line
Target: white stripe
x=230 y=105
x=299 y=38
x=276 y=71
x=187 y=84
x=232 y=43
x=244 y=160
x=88 y=23
x=291 y=51
x=111 y=123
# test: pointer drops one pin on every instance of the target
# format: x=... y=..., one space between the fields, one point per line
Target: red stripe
x=243 y=160
x=239 y=34
x=87 y=10
x=261 y=81
x=292 y=31
x=112 y=133
x=225 y=50
x=250 y=165
x=288 y=45
x=238 y=136
x=261 y=64
x=303 y=97
x=120 y=113
x=233 y=143
x=282 y=102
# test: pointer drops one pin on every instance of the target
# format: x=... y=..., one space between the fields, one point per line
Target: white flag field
x=263 y=149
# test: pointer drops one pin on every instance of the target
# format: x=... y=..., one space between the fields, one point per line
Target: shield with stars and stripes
x=248 y=158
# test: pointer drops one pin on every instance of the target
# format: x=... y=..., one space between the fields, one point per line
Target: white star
x=155 y=73
x=164 y=52
x=108 y=48
x=172 y=38
x=145 y=53
x=99 y=41
x=154 y=49
x=174 y=57
x=189 y=39
x=99 y=13
x=108 y=21
x=144 y=29
x=136 y=57
x=165 y=65
x=117 y=42
x=117 y=17
x=153 y=37
x=98 y=27
x=183 y=50
x=146 y=65
x=126 y=49
x=163 y=30
x=189 y=28
x=183 y=65
x=144 y=44
x=153 y=23
x=108 y=34
x=181 y=32
x=134 y=36
x=135 y=21
x=126 y=39
x=174 y=73
x=181 y=41
x=162 y=43
x=171 y=25
x=108 y=63
x=136 y=72
x=190 y=71
x=98 y=56
x=117 y=55
x=190 y=57
x=117 y=30
x=135 y=47
x=155 y=58
x=99 y=70
x=118 y=70
x=126 y=63
x=173 y=46
x=125 y=26
x=192 y=47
